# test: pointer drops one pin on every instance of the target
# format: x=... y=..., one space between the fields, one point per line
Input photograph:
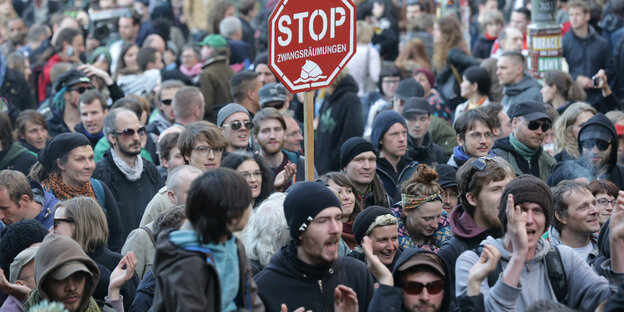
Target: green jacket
x=443 y=134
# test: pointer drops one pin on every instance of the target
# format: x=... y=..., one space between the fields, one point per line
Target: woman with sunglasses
x=64 y=168
x=82 y=219
x=256 y=173
x=422 y=221
x=566 y=129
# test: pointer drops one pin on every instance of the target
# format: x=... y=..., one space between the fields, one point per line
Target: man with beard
x=480 y=184
x=308 y=272
x=576 y=219
x=523 y=148
x=269 y=133
x=474 y=136
x=93 y=109
x=132 y=179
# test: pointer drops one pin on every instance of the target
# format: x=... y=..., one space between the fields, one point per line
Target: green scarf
x=14 y=151
x=35 y=298
x=526 y=152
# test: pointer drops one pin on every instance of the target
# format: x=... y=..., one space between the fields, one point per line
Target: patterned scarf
x=63 y=191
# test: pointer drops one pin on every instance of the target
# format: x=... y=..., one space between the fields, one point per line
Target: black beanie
x=304 y=201
x=59 y=146
x=365 y=219
x=353 y=147
x=17 y=237
x=527 y=189
x=383 y=122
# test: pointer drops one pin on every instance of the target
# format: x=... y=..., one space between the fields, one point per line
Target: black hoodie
x=615 y=171
x=289 y=280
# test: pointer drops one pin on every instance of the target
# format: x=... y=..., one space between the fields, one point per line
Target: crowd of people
x=150 y=160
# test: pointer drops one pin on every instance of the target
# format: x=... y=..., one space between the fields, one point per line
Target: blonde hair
x=564 y=138
x=414 y=51
x=91 y=227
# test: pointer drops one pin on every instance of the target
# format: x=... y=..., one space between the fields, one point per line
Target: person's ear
x=24 y=200
x=171 y=196
x=59 y=165
x=111 y=139
x=559 y=218
x=460 y=142
x=472 y=200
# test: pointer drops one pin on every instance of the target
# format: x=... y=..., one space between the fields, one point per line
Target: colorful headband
x=411 y=202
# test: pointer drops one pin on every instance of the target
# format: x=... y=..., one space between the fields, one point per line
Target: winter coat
x=482 y=47
x=339 y=120
x=289 y=280
x=48 y=202
x=17 y=90
x=527 y=89
x=17 y=157
x=187 y=279
x=541 y=163
x=429 y=153
x=391 y=179
x=586 y=290
x=462 y=61
x=214 y=83
x=442 y=133
x=131 y=196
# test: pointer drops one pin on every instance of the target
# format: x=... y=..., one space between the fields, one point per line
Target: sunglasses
x=479 y=164
x=59 y=220
x=415 y=288
x=81 y=89
x=166 y=102
x=236 y=125
x=534 y=125
x=277 y=105
x=130 y=132
x=602 y=145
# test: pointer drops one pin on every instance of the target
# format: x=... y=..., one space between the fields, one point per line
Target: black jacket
x=429 y=153
x=461 y=61
x=17 y=91
x=482 y=48
x=615 y=171
x=340 y=118
x=131 y=197
x=391 y=179
x=297 y=284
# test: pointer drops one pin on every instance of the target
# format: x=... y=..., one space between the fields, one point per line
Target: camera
x=103 y=23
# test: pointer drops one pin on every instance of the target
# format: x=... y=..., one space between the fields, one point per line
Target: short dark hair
x=480 y=76
x=66 y=35
x=242 y=82
x=387 y=70
x=145 y=56
x=235 y=159
x=200 y=130
x=603 y=186
x=91 y=95
x=491 y=110
x=214 y=199
x=166 y=143
x=267 y=113
x=526 y=12
x=559 y=196
x=473 y=181
x=134 y=15
x=468 y=121
x=130 y=104
x=516 y=56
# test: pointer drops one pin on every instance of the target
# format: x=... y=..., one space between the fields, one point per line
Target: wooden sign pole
x=308 y=122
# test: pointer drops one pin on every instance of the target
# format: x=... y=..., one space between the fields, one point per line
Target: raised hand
x=480 y=270
x=345 y=299
x=516 y=227
x=284 y=308
x=374 y=264
x=18 y=291
x=122 y=273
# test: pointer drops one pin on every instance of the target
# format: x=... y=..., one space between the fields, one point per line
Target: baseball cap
x=70 y=78
x=409 y=88
x=595 y=131
x=20 y=261
x=530 y=110
x=216 y=41
x=423 y=258
x=68 y=269
x=416 y=105
x=272 y=92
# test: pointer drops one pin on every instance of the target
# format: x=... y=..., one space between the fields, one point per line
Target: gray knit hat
x=228 y=110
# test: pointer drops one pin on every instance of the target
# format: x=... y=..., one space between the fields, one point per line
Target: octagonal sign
x=311 y=41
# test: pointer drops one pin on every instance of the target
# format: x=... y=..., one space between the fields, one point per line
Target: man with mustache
x=308 y=272
x=132 y=179
x=523 y=148
x=474 y=136
x=576 y=219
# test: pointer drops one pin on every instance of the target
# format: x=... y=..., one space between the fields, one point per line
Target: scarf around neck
x=131 y=173
x=63 y=191
x=526 y=152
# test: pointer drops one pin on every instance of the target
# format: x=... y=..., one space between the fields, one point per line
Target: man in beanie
x=308 y=272
x=358 y=160
x=215 y=76
x=523 y=148
x=525 y=212
x=380 y=225
x=389 y=136
x=64 y=113
x=448 y=182
x=235 y=121
x=420 y=147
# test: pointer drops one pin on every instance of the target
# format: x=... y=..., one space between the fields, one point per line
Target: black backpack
x=554 y=268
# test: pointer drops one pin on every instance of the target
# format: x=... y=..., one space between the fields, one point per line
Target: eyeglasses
x=604 y=202
x=255 y=174
x=236 y=125
x=477 y=135
x=166 y=102
x=205 y=150
x=534 y=125
x=81 y=89
x=128 y=133
x=602 y=145
x=415 y=288
x=59 y=220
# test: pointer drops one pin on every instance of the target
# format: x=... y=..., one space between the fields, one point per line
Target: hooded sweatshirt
x=53 y=253
x=586 y=290
x=289 y=280
x=527 y=89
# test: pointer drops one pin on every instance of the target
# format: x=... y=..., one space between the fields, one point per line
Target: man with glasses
x=576 y=222
x=523 y=148
x=132 y=179
x=235 y=122
x=474 y=136
x=202 y=145
x=164 y=116
x=63 y=114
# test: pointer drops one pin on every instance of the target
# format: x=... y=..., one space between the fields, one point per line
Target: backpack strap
x=150 y=233
x=98 y=189
x=556 y=274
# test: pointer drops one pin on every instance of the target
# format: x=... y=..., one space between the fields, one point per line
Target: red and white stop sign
x=311 y=41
